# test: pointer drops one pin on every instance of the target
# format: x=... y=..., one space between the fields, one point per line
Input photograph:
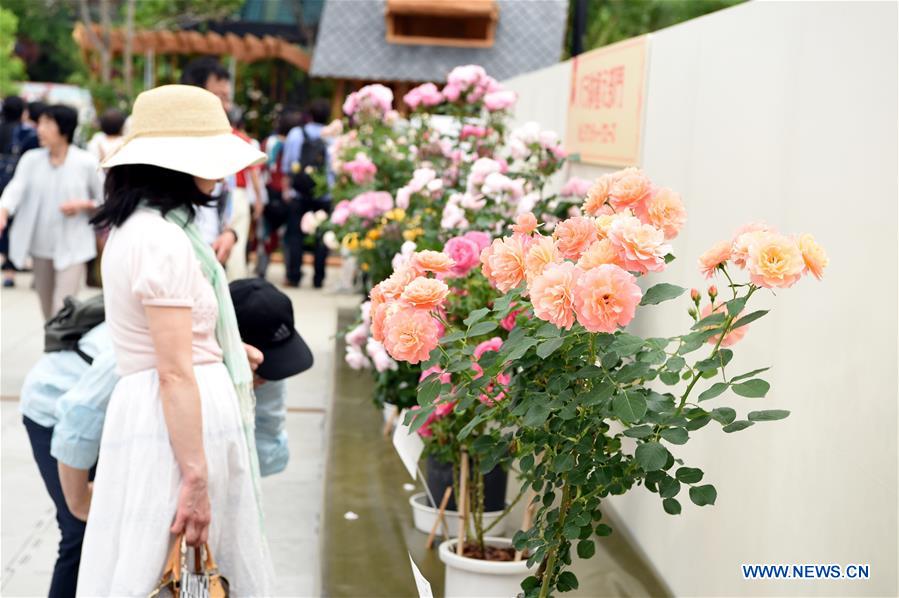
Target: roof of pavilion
x=352 y=43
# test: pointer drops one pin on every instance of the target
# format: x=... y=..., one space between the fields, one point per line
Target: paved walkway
x=293 y=498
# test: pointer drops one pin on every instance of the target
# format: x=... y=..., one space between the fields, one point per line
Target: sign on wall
x=605 y=107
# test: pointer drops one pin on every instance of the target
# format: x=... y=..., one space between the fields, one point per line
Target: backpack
x=313 y=156
x=63 y=331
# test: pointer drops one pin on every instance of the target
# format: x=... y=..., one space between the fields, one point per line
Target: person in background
x=214 y=219
x=53 y=192
x=247 y=203
x=33 y=114
x=15 y=139
x=275 y=212
x=305 y=149
x=65 y=396
x=109 y=138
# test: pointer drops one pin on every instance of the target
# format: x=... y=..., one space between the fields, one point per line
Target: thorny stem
x=548 y=574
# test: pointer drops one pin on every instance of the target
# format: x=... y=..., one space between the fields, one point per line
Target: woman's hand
x=72 y=207
x=254 y=356
x=194 y=513
x=223 y=245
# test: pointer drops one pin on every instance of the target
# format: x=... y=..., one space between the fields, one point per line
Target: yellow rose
x=368 y=244
x=364 y=267
x=374 y=234
x=350 y=242
x=398 y=214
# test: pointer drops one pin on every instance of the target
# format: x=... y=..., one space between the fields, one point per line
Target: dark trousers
x=295 y=240
x=65 y=573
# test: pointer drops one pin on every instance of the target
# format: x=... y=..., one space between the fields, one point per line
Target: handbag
x=204 y=581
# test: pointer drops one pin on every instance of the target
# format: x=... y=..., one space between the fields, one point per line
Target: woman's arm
x=171 y=332
x=77 y=490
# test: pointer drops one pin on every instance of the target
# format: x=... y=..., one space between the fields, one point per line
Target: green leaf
x=748 y=374
x=748 y=318
x=586 y=549
x=566 y=581
x=518 y=349
x=724 y=415
x=754 y=388
x=603 y=530
x=698 y=423
x=713 y=391
x=768 y=415
x=563 y=462
x=452 y=337
x=502 y=304
x=546 y=348
x=536 y=415
x=475 y=316
x=548 y=331
x=481 y=328
x=651 y=456
x=669 y=487
x=629 y=407
x=689 y=475
x=420 y=417
x=716 y=320
x=675 y=364
x=675 y=435
x=471 y=425
x=596 y=395
x=626 y=344
x=638 y=431
x=735 y=306
x=703 y=495
x=737 y=426
x=671 y=506
x=669 y=378
x=428 y=391
x=662 y=292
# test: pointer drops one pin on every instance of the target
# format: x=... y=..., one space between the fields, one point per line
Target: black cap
x=265 y=319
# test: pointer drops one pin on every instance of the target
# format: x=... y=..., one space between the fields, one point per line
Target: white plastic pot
x=474 y=578
x=424 y=516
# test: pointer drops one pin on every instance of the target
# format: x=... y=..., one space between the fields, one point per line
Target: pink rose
x=494 y=344
x=605 y=298
x=500 y=100
x=464 y=252
x=477 y=131
x=444 y=377
x=341 y=212
x=480 y=238
x=575 y=187
x=509 y=322
x=426 y=94
x=361 y=169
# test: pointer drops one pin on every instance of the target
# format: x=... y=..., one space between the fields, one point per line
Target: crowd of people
x=158 y=405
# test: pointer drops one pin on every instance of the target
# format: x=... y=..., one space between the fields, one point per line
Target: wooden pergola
x=246 y=48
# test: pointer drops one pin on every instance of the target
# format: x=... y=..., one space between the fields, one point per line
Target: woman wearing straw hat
x=177 y=454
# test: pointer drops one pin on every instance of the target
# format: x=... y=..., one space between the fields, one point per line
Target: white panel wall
x=787 y=112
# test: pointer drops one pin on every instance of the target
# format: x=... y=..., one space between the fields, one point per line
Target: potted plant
x=592 y=410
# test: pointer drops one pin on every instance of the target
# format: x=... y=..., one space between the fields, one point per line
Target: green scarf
x=228 y=336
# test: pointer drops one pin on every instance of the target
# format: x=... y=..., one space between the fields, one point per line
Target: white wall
x=785 y=112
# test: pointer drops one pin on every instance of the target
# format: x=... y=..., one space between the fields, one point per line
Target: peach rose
x=574 y=236
x=552 y=294
x=733 y=336
x=607 y=218
x=379 y=317
x=629 y=189
x=425 y=293
x=597 y=195
x=542 y=252
x=813 y=255
x=432 y=261
x=664 y=210
x=525 y=224
x=641 y=247
x=599 y=253
x=605 y=298
x=714 y=257
x=743 y=238
x=410 y=335
x=393 y=286
x=774 y=261
x=505 y=263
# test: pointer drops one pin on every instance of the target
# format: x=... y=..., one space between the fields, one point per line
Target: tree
x=609 y=21
x=13 y=68
x=100 y=42
x=129 y=47
x=45 y=41
x=181 y=14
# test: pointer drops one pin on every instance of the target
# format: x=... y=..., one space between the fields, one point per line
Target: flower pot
x=424 y=516
x=467 y=577
x=440 y=475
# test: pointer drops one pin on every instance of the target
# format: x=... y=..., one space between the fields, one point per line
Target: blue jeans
x=65 y=573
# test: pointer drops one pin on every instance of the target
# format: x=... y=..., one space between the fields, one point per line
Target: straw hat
x=184 y=128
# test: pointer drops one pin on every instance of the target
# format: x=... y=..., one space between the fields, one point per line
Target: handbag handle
x=172 y=572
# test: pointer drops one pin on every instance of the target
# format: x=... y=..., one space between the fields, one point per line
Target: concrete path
x=293 y=499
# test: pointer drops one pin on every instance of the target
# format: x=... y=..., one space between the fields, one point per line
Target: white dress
x=149 y=261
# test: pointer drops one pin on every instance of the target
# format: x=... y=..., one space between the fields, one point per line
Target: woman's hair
x=65 y=117
x=13 y=107
x=129 y=185
x=112 y=121
x=35 y=109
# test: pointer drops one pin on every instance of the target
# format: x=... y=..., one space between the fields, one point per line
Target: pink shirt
x=150 y=261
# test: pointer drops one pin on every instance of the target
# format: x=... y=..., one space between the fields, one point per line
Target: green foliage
x=178 y=14
x=609 y=21
x=45 y=31
x=13 y=69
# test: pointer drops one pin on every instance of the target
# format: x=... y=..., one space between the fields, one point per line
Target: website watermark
x=806 y=571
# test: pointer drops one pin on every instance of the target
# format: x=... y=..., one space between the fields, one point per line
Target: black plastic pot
x=440 y=476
